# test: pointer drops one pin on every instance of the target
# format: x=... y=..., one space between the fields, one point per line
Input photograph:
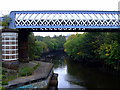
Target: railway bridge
x=15 y=39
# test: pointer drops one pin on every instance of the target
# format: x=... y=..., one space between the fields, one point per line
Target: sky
x=51 y=34
x=22 y=5
x=8 y=5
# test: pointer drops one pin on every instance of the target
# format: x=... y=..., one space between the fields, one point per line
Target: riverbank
x=47 y=57
x=98 y=65
x=42 y=75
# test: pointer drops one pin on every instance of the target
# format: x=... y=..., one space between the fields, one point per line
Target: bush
x=36 y=56
x=4 y=82
x=4 y=70
x=6 y=21
x=25 y=71
x=2 y=88
x=36 y=66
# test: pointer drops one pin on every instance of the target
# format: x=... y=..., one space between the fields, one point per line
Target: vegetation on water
x=39 y=44
x=93 y=47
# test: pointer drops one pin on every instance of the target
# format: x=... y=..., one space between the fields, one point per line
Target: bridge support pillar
x=23 y=46
x=10 y=49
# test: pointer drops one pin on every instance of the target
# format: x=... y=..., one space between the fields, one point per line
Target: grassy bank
x=25 y=70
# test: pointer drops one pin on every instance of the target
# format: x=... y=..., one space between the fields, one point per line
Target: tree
x=6 y=21
x=95 y=47
x=40 y=47
x=31 y=46
x=110 y=49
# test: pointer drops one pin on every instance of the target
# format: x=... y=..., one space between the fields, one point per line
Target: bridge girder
x=65 y=19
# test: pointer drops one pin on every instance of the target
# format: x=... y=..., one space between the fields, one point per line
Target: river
x=75 y=75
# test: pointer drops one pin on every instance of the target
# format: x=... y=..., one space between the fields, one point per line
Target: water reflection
x=65 y=80
x=74 y=75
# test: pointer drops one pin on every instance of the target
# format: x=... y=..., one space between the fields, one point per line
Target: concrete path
x=42 y=72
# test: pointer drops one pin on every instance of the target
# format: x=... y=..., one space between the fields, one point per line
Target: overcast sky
x=59 y=5
x=13 y=5
x=54 y=33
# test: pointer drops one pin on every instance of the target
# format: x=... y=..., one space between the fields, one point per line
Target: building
x=9 y=46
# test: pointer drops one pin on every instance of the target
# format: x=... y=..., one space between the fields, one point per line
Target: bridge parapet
x=65 y=19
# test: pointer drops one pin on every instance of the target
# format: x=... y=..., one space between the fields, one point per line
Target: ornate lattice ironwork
x=65 y=19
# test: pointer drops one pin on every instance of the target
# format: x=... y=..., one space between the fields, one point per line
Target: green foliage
x=40 y=47
x=25 y=71
x=36 y=66
x=4 y=71
x=3 y=88
x=1 y=76
x=39 y=38
x=81 y=45
x=46 y=44
x=0 y=23
x=50 y=43
x=110 y=49
x=0 y=87
x=92 y=46
x=4 y=82
x=31 y=46
x=39 y=44
x=36 y=56
x=59 y=40
x=7 y=77
x=6 y=21
x=73 y=46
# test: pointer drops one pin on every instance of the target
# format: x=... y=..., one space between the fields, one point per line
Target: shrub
x=2 y=88
x=25 y=71
x=6 y=21
x=36 y=66
x=4 y=70
x=4 y=82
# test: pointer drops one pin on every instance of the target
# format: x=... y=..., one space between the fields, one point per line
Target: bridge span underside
x=69 y=30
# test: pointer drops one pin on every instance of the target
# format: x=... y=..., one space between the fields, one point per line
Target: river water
x=75 y=75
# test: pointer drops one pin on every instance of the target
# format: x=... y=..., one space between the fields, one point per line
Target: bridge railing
x=65 y=19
